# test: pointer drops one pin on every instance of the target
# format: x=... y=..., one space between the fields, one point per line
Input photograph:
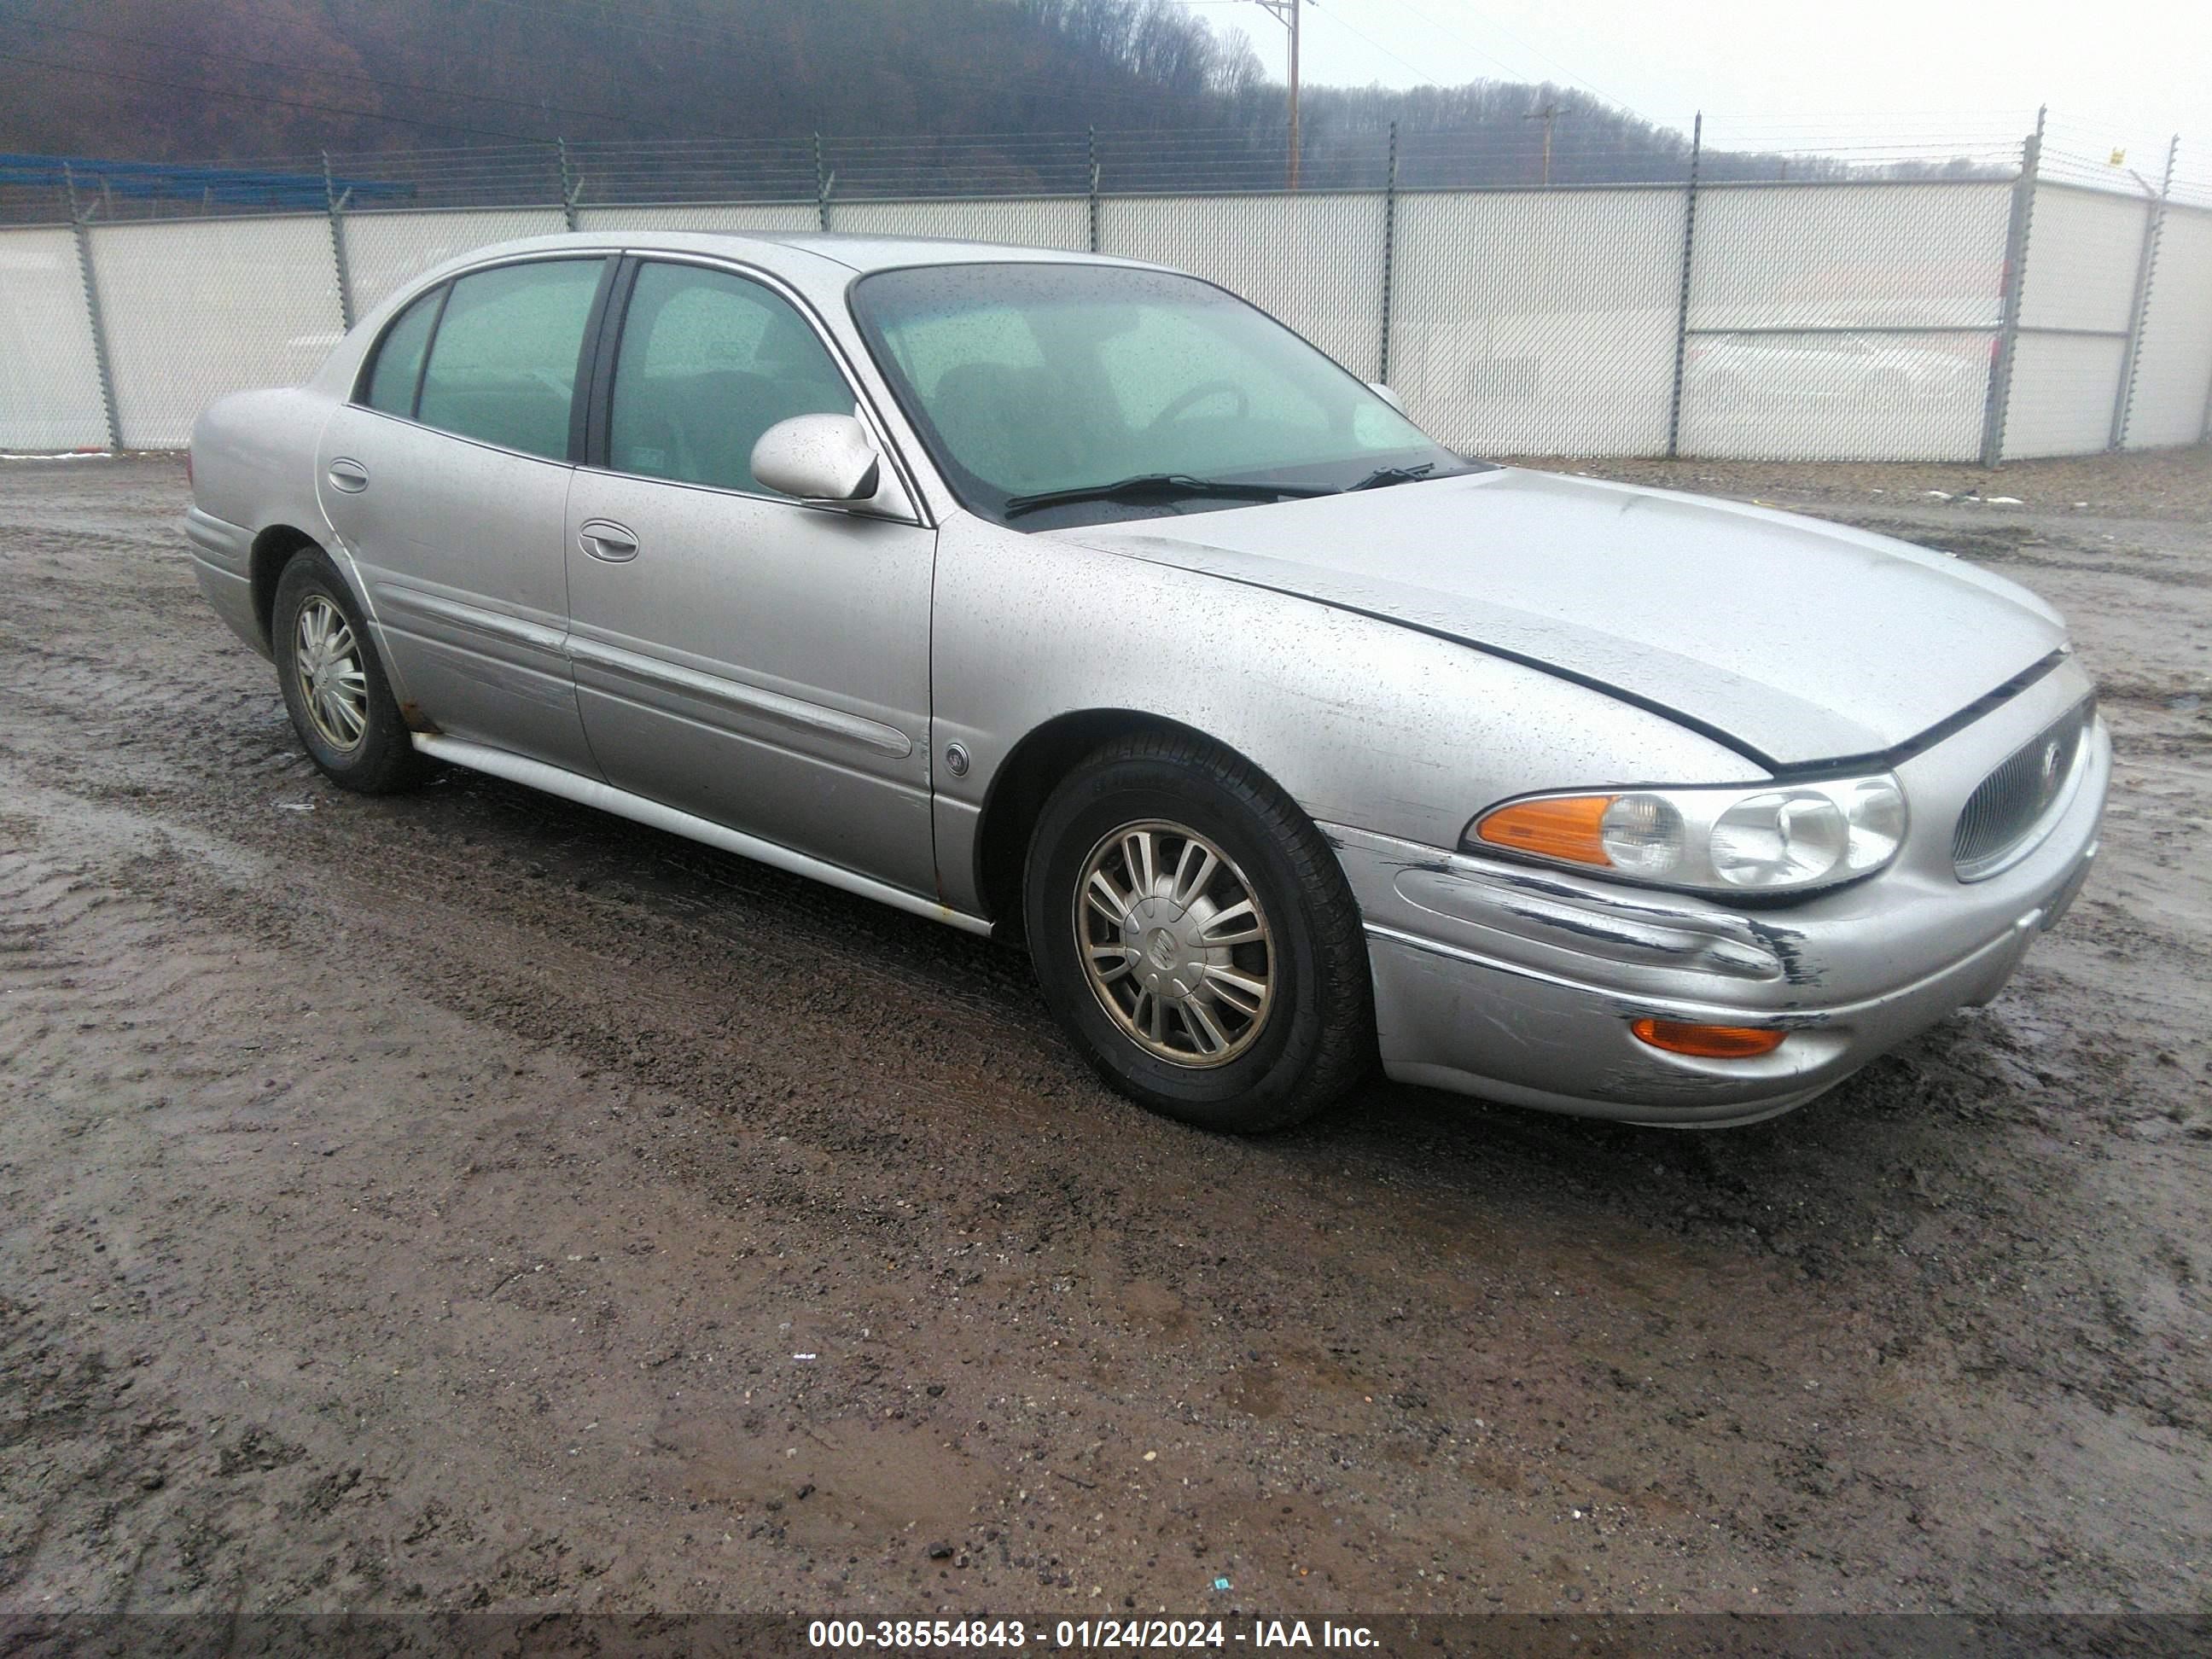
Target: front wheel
x=1194 y=935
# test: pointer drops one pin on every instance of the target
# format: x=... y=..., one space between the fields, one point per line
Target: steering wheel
x=1197 y=394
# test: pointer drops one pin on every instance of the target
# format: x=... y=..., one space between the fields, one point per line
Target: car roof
x=819 y=263
x=856 y=253
x=864 y=253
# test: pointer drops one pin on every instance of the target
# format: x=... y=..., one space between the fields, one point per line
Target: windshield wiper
x=1384 y=475
x=1148 y=486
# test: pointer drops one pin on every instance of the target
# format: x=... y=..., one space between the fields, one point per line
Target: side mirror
x=1386 y=395
x=818 y=458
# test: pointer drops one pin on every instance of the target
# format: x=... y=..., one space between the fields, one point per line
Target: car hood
x=1794 y=639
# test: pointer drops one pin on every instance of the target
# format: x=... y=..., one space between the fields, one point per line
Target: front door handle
x=349 y=475
x=607 y=541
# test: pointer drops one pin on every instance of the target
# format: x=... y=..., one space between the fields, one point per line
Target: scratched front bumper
x=1519 y=983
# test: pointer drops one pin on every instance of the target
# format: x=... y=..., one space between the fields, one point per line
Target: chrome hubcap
x=333 y=684
x=1175 y=944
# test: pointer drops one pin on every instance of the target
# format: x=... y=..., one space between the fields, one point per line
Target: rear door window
x=503 y=364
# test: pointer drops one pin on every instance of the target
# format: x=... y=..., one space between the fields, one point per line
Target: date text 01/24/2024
x=1011 y=1634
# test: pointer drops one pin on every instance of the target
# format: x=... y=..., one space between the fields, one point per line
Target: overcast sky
x=2119 y=71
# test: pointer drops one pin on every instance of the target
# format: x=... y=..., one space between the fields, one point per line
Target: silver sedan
x=1075 y=601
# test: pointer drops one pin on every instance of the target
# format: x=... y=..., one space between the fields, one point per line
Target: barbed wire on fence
x=1175 y=162
x=810 y=167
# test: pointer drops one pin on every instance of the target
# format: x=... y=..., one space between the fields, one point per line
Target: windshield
x=1062 y=394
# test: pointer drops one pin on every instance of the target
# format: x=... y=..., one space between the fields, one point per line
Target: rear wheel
x=334 y=687
x=1194 y=935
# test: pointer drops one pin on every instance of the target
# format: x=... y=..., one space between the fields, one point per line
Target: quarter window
x=708 y=361
x=503 y=366
x=399 y=358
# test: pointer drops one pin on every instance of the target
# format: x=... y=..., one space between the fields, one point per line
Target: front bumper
x=1519 y=983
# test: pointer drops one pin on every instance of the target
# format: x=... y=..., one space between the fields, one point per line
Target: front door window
x=709 y=362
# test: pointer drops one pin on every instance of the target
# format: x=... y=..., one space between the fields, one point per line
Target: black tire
x=383 y=758
x=1316 y=1039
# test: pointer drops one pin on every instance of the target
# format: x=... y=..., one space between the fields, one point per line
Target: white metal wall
x=1529 y=323
x=1314 y=261
x=195 y=308
x=2062 y=388
x=49 y=377
x=385 y=251
x=2082 y=254
x=2077 y=296
x=2173 y=370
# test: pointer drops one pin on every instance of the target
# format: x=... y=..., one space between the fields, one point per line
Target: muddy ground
x=466 y=1201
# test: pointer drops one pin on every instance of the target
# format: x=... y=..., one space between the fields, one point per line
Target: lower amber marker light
x=1708 y=1041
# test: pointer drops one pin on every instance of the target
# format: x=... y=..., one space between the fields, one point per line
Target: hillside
x=153 y=80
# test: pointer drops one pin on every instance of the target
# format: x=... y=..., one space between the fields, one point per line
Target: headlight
x=1776 y=838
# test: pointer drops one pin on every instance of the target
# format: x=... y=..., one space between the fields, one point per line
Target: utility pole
x=1548 y=114
x=1285 y=12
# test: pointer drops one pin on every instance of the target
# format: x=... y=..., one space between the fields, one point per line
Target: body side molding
x=753 y=699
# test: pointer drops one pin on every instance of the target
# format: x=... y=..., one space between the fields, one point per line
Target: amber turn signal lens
x=1560 y=827
x=1708 y=1041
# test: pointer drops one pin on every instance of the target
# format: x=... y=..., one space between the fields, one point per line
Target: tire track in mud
x=104 y=1011
x=110 y=967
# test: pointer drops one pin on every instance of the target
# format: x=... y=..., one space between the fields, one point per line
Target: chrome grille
x=2007 y=806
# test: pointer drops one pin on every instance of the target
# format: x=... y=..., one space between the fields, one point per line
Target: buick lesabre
x=1074 y=600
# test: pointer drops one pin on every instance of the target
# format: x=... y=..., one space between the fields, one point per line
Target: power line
x=1290 y=14
x=1345 y=24
x=1336 y=15
x=1496 y=63
x=1544 y=58
x=1547 y=115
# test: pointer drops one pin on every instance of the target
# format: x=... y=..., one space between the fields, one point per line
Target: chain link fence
x=1538 y=322
x=52 y=384
x=1918 y=298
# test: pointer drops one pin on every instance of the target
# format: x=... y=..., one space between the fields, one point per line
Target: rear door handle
x=349 y=475
x=607 y=541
